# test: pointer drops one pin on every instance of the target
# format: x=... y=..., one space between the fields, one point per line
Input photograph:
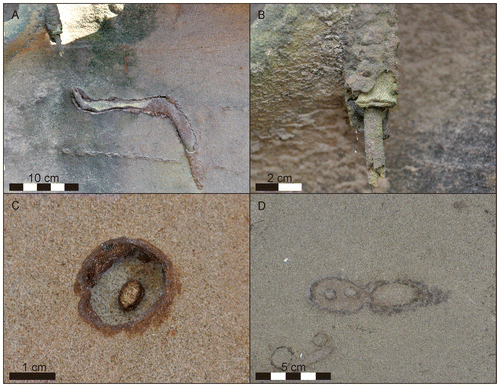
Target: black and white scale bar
x=32 y=376
x=293 y=376
x=43 y=187
x=279 y=187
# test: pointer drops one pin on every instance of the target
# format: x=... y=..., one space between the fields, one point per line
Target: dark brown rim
x=102 y=259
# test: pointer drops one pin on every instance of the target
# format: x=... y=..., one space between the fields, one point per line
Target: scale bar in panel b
x=278 y=187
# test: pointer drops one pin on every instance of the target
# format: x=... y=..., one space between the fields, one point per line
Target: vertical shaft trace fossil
x=371 y=77
x=158 y=106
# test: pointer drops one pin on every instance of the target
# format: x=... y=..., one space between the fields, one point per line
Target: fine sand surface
x=446 y=242
x=205 y=339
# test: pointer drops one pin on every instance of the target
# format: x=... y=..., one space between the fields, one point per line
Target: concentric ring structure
x=104 y=261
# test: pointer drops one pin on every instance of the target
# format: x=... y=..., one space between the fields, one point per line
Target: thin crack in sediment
x=133 y=156
x=158 y=106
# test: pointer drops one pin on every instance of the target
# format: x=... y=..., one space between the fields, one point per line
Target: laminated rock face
x=131 y=51
x=296 y=64
x=298 y=116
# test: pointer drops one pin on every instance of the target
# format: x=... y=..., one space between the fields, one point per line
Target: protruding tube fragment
x=371 y=74
x=374 y=144
x=53 y=25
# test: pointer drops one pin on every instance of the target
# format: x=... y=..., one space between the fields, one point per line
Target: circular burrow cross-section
x=124 y=284
x=337 y=294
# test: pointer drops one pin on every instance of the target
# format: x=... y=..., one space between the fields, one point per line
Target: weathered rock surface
x=443 y=135
x=197 y=54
